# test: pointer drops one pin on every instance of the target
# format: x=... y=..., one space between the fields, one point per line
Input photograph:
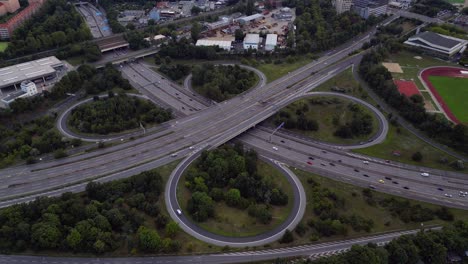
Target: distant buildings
x=271 y=42
x=7 y=28
x=8 y=6
x=342 y=5
x=367 y=8
x=37 y=71
x=437 y=44
x=247 y=19
x=284 y=14
x=251 y=41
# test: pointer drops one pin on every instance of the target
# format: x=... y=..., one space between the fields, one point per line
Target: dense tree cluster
x=136 y=40
x=361 y=123
x=295 y=117
x=325 y=204
x=230 y=174
x=107 y=217
x=423 y=247
x=184 y=49
x=175 y=72
x=89 y=79
x=116 y=113
x=221 y=82
x=88 y=52
x=405 y=210
x=380 y=80
x=298 y=120
x=431 y=7
x=319 y=27
x=30 y=139
x=56 y=24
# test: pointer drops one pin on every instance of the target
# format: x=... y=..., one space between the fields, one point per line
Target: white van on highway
x=179 y=212
x=425 y=174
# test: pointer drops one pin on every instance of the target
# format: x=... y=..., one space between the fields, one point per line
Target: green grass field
x=3 y=46
x=274 y=71
x=404 y=141
x=329 y=116
x=229 y=221
x=454 y=91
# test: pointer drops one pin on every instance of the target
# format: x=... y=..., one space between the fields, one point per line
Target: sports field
x=407 y=88
x=454 y=92
x=3 y=46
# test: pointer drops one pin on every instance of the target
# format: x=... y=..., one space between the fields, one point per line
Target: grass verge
x=3 y=46
x=274 y=71
x=400 y=139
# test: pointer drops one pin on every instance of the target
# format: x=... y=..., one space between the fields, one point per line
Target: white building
x=437 y=44
x=342 y=5
x=28 y=89
x=271 y=42
x=223 y=44
x=251 y=41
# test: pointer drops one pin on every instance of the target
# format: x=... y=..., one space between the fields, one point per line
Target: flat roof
x=438 y=39
x=252 y=38
x=11 y=97
x=213 y=42
x=252 y=17
x=28 y=70
x=271 y=39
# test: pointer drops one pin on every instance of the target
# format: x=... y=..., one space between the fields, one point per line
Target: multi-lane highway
x=211 y=127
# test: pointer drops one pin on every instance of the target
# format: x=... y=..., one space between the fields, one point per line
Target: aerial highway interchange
x=202 y=124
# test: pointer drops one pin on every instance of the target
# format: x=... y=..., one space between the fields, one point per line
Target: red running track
x=407 y=88
x=447 y=72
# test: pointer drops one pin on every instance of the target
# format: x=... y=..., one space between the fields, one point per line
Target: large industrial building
x=37 y=71
x=247 y=19
x=223 y=44
x=437 y=44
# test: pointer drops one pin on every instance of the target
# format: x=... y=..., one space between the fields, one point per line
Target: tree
x=45 y=236
x=200 y=206
x=288 y=237
x=149 y=240
x=195 y=31
x=239 y=35
x=74 y=239
x=250 y=7
x=195 y=10
x=172 y=228
x=233 y=197
x=417 y=156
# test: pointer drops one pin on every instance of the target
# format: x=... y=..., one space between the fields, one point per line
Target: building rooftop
x=252 y=17
x=28 y=71
x=213 y=42
x=271 y=39
x=437 y=39
x=11 y=97
x=252 y=38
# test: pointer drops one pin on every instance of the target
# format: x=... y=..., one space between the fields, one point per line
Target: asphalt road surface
x=212 y=126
